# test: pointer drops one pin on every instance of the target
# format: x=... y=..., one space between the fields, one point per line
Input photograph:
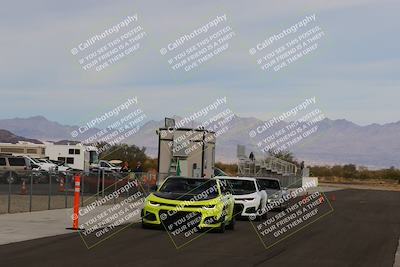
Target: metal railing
x=273 y=165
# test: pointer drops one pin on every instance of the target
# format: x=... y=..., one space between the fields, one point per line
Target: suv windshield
x=268 y=184
x=35 y=160
x=190 y=186
x=241 y=187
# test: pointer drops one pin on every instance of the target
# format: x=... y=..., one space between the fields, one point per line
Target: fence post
x=9 y=193
x=66 y=189
x=148 y=181
x=82 y=183
x=98 y=183
x=116 y=179
x=49 y=198
x=30 y=192
x=127 y=179
x=102 y=186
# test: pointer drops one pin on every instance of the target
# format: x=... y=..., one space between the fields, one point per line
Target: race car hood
x=182 y=196
x=247 y=196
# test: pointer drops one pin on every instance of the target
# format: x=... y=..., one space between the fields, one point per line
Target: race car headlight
x=248 y=199
x=272 y=198
x=208 y=207
x=275 y=196
x=154 y=204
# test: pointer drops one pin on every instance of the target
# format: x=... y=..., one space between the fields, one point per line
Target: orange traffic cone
x=24 y=190
x=61 y=186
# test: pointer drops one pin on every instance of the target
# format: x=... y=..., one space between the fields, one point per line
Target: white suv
x=105 y=166
x=250 y=199
x=43 y=164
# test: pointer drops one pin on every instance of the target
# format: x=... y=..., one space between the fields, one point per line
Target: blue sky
x=354 y=73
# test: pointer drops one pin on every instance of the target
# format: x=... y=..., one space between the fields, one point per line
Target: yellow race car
x=184 y=203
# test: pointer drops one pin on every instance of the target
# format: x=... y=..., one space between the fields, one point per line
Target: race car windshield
x=268 y=184
x=205 y=187
x=241 y=187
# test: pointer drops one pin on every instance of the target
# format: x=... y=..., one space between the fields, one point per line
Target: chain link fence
x=37 y=190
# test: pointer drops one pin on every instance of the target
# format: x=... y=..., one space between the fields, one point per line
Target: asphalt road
x=363 y=230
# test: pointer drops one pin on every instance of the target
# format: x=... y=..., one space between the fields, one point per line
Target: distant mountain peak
x=39 y=127
x=9 y=137
x=38 y=117
x=337 y=141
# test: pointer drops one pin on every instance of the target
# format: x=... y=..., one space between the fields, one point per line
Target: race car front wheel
x=231 y=225
x=222 y=228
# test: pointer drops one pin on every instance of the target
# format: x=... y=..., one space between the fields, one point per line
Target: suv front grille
x=238 y=208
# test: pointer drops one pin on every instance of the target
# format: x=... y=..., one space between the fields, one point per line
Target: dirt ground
x=20 y=203
x=373 y=184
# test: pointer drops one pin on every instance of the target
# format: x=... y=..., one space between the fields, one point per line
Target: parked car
x=13 y=168
x=61 y=165
x=43 y=164
x=274 y=190
x=48 y=165
x=250 y=199
x=104 y=165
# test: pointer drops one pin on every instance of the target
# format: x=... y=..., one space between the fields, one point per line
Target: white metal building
x=194 y=149
x=23 y=148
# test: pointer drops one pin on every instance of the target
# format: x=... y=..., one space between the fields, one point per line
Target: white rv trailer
x=77 y=156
